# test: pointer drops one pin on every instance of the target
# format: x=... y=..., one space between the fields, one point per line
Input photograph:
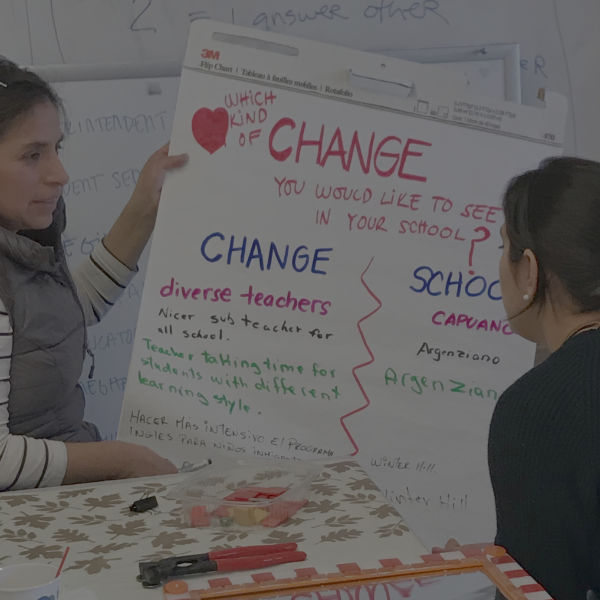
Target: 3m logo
x=210 y=54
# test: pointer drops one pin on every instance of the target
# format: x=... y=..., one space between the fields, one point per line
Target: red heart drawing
x=210 y=128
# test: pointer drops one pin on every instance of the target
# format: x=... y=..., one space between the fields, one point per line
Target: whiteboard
x=13 y=23
x=558 y=41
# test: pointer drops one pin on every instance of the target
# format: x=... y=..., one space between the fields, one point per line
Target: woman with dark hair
x=544 y=439
x=44 y=310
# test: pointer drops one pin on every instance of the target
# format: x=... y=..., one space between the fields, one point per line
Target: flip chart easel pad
x=385 y=335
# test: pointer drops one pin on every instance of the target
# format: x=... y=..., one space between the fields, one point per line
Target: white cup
x=29 y=581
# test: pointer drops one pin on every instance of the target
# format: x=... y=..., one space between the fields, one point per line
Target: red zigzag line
x=355 y=369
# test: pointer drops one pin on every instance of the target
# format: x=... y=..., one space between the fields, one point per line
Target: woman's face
x=31 y=173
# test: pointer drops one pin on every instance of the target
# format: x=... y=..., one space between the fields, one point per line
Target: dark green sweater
x=544 y=460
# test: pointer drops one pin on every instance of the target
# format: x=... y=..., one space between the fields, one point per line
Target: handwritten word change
x=386 y=157
x=216 y=247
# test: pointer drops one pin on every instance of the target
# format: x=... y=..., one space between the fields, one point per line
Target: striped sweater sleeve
x=27 y=462
x=24 y=462
x=100 y=281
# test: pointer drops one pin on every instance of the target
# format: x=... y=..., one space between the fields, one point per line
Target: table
x=346 y=520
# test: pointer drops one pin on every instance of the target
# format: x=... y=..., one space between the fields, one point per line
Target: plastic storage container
x=246 y=493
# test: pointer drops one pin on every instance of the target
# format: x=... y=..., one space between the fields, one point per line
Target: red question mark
x=485 y=235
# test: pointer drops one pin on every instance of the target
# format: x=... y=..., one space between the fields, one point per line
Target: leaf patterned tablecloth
x=346 y=520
